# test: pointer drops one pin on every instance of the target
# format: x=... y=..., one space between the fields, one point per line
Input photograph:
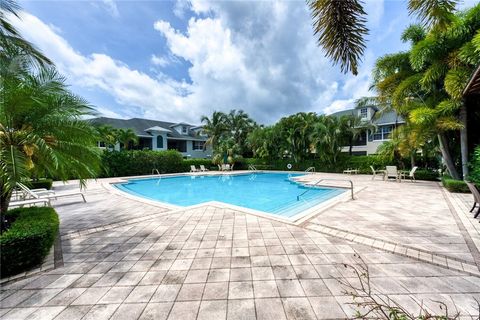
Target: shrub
x=429 y=175
x=452 y=185
x=475 y=166
x=41 y=183
x=28 y=240
x=140 y=162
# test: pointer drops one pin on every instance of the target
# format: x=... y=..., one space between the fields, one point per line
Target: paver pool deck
x=128 y=259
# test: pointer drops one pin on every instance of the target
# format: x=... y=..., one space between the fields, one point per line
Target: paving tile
x=191 y=291
x=243 y=309
x=184 y=310
x=284 y=272
x=175 y=277
x=290 y=288
x=215 y=290
x=128 y=311
x=86 y=280
x=240 y=290
x=216 y=275
x=91 y=296
x=156 y=311
x=262 y=273
x=141 y=294
x=181 y=264
x=16 y=298
x=209 y=310
x=166 y=292
x=100 y=311
x=45 y=313
x=40 y=298
x=305 y=272
x=131 y=279
x=153 y=277
x=265 y=289
x=197 y=276
x=66 y=297
x=314 y=287
x=241 y=274
x=326 y=308
x=270 y=309
x=19 y=313
x=298 y=309
x=73 y=313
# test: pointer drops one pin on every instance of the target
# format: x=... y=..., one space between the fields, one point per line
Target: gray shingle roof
x=380 y=118
x=139 y=126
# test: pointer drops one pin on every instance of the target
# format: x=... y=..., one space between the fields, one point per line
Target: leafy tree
x=354 y=127
x=340 y=25
x=125 y=136
x=215 y=128
x=42 y=128
x=108 y=135
x=328 y=138
x=240 y=125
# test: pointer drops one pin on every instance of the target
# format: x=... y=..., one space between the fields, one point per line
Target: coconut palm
x=42 y=129
x=340 y=26
x=108 y=135
x=127 y=136
x=240 y=125
x=215 y=128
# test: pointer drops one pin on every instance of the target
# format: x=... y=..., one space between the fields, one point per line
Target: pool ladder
x=310 y=170
x=317 y=183
x=252 y=167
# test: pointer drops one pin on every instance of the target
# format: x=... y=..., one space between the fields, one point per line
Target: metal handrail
x=155 y=170
x=316 y=184
x=310 y=169
x=252 y=167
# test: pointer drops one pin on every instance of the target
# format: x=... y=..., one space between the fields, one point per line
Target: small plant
x=374 y=305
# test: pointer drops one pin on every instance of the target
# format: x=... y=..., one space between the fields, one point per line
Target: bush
x=41 y=183
x=28 y=240
x=429 y=175
x=457 y=186
x=140 y=162
x=475 y=166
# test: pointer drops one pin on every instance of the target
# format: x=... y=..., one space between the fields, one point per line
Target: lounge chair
x=350 y=171
x=227 y=167
x=22 y=203
x=375 y=172
x=49 y=194
x=409 y=174
x=391 y=172
x=202 y=168
x=476 y=198
x=194 y=169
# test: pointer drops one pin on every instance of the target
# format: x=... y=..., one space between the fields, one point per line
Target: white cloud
x=111 y=7
x=237 y=59
x=339 y=105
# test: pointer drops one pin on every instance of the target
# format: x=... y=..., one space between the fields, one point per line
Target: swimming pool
x=273 y=193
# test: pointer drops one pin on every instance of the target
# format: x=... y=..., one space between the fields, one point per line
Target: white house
x=385 y=121
x=161 y=135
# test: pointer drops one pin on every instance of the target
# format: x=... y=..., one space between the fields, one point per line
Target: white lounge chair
x=391 y=172
x=49 y=194
x=202 y=168
x=408 y=174
x=350 y=171
x=193 y=169
x=227 y=167
x=375 y=172
x=22 y=203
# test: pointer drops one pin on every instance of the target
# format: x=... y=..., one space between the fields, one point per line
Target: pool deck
x=130 y=259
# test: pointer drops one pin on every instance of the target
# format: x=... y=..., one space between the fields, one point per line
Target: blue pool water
x=269 y=192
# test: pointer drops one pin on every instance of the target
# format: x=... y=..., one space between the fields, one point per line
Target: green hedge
x=28 y=240
x=429 y=175
x=452 y=185
x=41 y=183
x=141 y=162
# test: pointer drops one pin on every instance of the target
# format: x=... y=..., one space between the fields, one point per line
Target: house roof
x=473 y=85
x=141 y=127
x=380 y=118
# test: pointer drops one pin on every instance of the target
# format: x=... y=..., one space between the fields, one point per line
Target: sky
x=179 y=60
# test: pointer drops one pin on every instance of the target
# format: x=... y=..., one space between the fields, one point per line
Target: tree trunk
x=350 y=146
x=412 y=159
x=442 y=140
x=4 y=202
x=463 y=141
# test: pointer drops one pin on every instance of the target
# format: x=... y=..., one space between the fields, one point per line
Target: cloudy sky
x=179 y=60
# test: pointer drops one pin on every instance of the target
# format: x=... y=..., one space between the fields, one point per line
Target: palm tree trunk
x=463 y=141
x=350 y=147
x=412 y=159
x=4 y=202
x=442 y=140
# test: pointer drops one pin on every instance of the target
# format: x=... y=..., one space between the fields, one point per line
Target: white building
x=369 y=142
x=161 y=135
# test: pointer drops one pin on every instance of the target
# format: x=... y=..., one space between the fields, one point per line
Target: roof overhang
x=473 y=85
x=158 y=129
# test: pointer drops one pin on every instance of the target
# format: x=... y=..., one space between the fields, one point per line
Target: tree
x=215 y=128
x=240 y=125
x=354 y=127
x=328 y=138
x=41 y=129
x=125 y=136
x=108 y=135
x=340 y=26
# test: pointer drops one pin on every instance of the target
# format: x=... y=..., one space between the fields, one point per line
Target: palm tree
x=42 y=129
x=354 y=127
x=340 y=25
x=108 y=135
x=125 y=136
x=240 y=125
x=215 y=128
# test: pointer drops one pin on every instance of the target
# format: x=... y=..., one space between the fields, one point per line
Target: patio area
x=126 y=259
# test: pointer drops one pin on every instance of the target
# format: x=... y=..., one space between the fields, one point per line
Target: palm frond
x=433 y=13
x=341 y=30
x=414 y=33
x=455 y=82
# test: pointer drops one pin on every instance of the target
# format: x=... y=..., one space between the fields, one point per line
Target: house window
x=159 y=142
x=198 y=145
x=383 y=133
x=364 y=113
x=101 y=144
x=184 y=130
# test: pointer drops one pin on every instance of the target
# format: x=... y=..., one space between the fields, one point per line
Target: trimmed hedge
x=456 y=186
x=41 y=183
x=141 y=162
x=28 y=240
x=429 y=175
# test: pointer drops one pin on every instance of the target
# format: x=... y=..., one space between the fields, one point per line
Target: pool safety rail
x=155 y=171
x=252 y=167
x=326 y=179
x=310 y=170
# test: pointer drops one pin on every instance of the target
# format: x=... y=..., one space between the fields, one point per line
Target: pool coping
x=297 y=219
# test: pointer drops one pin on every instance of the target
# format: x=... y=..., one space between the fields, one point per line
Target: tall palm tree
x=108 y=135
x=215 y=128
x=340 y=25
x=42 y=129
x=125 y=136
x=354 y=127
x=240 y=125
